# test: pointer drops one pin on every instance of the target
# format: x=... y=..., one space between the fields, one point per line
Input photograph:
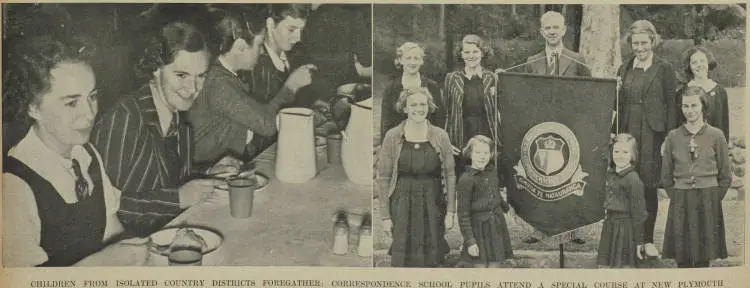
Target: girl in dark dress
x=622 y=233
x=698 y=62
x=696 y=174
x=409 y=58
x=416 y=181
x=481 y=207
x=647 y=111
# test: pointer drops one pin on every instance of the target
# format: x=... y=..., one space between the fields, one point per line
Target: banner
x=555 y=135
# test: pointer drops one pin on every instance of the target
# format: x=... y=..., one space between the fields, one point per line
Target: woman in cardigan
x=226 y=116
x=698 y=62
x=415 y=175
x=647 y=110
x=409 y=58
x=696 y=174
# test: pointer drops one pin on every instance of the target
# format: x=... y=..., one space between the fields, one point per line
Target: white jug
x=295 y=149
x=356 y=145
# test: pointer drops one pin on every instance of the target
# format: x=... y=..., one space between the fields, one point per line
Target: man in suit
x=555 y=59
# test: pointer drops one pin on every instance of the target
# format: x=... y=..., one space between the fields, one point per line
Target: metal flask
x=295 y=149
x=340 y=234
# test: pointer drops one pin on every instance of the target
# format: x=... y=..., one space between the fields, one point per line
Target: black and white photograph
x=559 y=135
x=155 y=134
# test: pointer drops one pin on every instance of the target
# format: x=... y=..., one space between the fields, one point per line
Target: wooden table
x=291 y=224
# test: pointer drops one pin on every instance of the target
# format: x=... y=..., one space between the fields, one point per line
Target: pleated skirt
x=618 y=243
x=695 y=226
x=493 y=240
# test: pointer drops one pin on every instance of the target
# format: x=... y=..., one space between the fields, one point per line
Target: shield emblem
x=549 y=156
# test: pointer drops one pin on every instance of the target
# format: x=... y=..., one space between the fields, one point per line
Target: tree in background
x=600 y=39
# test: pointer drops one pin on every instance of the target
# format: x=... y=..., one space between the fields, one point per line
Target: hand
x=456 y=151
x=449 y=219
x=500 y=70
x=196 y=191
x=300 y=77
x=387 y=226
x=473 y=250
x=228 y=164
x=619 y=83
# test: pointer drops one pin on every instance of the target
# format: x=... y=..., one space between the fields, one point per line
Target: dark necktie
x=82 y=187
x=171 y=150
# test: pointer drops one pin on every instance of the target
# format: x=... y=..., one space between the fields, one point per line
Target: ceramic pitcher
x=295 y=149
x=356 y=145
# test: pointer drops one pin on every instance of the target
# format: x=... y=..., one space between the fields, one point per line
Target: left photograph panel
x=155 y=134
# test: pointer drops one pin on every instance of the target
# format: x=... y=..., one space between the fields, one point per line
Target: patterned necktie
x=82 y=187
x=555 y=59
x=284 y=60
x=173 y=125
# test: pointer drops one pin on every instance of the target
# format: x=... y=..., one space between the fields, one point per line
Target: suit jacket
x=264 y=81
x=390 y=118
x=568 y=64
x=658 y=96
x=225 y=110
x=453 y=103
x=130 y=141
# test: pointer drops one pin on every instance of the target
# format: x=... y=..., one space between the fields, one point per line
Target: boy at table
x=146 y=144
x=59 y=205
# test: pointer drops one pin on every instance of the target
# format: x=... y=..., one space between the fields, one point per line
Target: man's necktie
x=82 y=187
x=284 y=60
x=554 y=61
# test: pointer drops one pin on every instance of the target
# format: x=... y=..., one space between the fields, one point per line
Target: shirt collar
x=471 y=72
x=646 y=64
x=276 y=59
x=162 y=111
x=625 y=171
x=37 y=155
x=411 y=81
x=549 y=52
x=688 y=133
x=226 y=66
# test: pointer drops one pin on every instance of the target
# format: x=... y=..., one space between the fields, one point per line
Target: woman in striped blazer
x=145 y=143
x=471 y=97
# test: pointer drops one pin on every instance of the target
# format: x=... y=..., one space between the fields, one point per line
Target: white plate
x=161 y=239
x=260 y=177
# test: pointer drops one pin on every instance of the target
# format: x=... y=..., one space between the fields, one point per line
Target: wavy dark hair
x=692 y=51
x=27 y=74
x=280 y=11
x=230 y=26
x=163 y=44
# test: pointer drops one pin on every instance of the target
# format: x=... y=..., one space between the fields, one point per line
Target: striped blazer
x=130 y=141
x=454 y=97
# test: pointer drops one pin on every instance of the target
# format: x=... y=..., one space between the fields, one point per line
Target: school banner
x=555 y=136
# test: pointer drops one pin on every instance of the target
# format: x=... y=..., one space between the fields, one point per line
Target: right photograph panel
x=559 y=136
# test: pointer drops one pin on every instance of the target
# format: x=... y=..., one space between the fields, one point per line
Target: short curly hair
x=405 y=94
x=474 y=40
x=27 y=75
x=692 y=51
x=466 y=151
x=162 y=46
x=632 y=144
x=406 y=47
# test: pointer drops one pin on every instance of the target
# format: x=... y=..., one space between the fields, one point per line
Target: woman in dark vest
x=647 y=110
x=59 y=205
x=409 y=59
